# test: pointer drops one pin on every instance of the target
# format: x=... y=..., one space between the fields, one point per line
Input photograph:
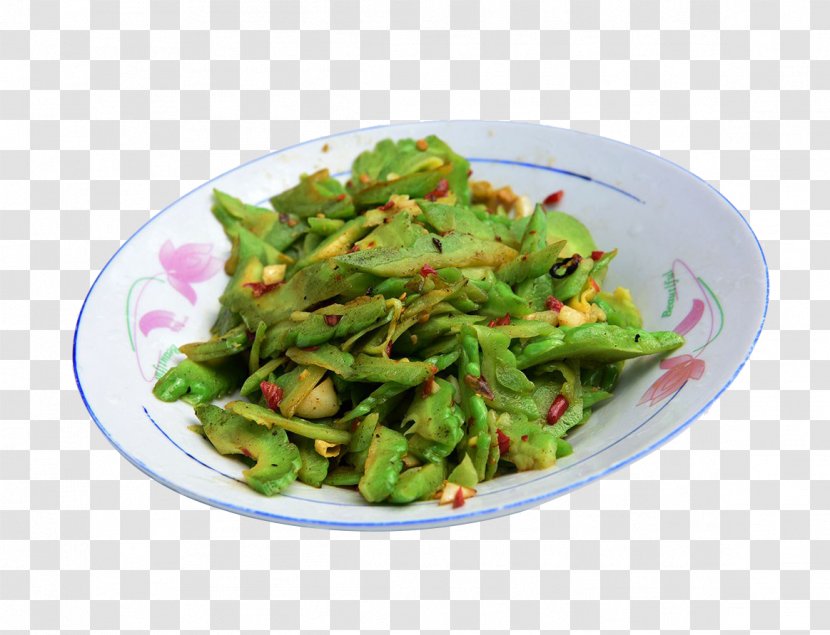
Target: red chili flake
x=440 y=190
x=458 y=499
x=428 y=387
x=504 y=442
x=596 y=255
x=259 y=289
x=272 y=393
x=340 y=197
x=593 y=284
x=349 y=184
x=389 y=349
x=246 y=452
x=427 y=270
x=553 y=199
x=524 y=437
x=502 y=321
x=310 y=348
x=421 y=144
x=469 y=173
x=332 y=320
x=387 y=205
x=553 y=304
x=557 y=409
x=354 y=249
x=480 y=385
x=364 y=178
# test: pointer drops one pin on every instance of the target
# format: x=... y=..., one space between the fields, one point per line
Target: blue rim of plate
x=489 y=512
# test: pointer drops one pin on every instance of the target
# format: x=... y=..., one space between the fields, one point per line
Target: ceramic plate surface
x=688 y=256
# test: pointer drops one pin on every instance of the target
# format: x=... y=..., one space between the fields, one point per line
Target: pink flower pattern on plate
x=682 y=368
x=679 y=370
x=187 y=264
x=159 y=319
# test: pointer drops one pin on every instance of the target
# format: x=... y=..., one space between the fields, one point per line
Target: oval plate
x=690 y=259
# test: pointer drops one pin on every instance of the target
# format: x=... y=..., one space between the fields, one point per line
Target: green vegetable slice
x=277 y=461
x=383 y=464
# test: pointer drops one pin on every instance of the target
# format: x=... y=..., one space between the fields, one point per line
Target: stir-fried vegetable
x=403 y=334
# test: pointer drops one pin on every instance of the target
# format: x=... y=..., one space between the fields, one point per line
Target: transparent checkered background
x=108 y=112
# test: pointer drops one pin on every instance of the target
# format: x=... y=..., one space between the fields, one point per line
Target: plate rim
x=482 y=514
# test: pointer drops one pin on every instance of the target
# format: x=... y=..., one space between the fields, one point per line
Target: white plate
x=688 y=256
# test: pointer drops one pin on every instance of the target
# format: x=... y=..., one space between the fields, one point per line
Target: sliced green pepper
x=277 y=460
x=335 y=244
x=531 y=445
x=325 y=356
x=464 y=474
x=453 y=250
x=362 y=435
x=268 y=418
x=572 y=391
x=501 y=300
x=314 y=467
x=343 y=476
x=418 y=483
x=324 y=226
x=598 y=343
x=381 y=370
x=434 y=416
x=509 y=389
x=231 y=343
x=253 y=359
x=316 y=193
x=383 y=465
x=198 y=383
x=338 y=321
x=530 y=265
x=399 y=232
x=278 y=230
x=379 y=396
x=472 y=403
x=251 y=384
x=451 y=218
